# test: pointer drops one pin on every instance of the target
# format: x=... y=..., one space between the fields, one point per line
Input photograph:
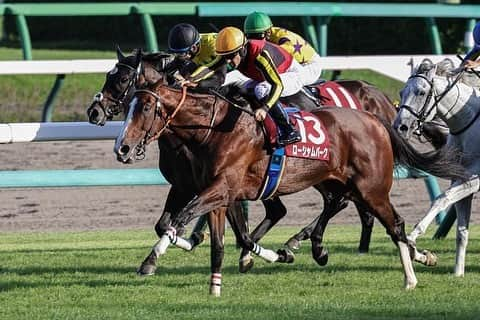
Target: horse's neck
x=150 y=74
x=203 y=113
x=459 y=106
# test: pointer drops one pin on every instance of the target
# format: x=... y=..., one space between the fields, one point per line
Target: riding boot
x=288 y=134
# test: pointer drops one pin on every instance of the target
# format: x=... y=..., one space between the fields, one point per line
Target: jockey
x=274 y=73
x=195 y=57
x=471 y=60
x=258 y=25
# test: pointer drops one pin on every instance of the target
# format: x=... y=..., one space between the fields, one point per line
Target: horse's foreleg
x=274 y=211
x=175 y=201
x=449 y=197
x=463 y=208
x=216 y=221
x=239 y=227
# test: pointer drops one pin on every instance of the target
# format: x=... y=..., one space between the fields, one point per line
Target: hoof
x=320 y=255
x=362 y=251
x=431 y=258
x=293 y=244
x=215 y=291
x=410 y=286
x=245 y=265
x=148 y=266
x=197 y=238
x=147 y=270
x=285 y=255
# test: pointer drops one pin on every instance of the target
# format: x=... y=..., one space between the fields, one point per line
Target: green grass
x=90 y=275
x=22 y=97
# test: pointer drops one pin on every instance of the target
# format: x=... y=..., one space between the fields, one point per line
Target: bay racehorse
x=138 y=69
x=431 y=91
x=229 y=146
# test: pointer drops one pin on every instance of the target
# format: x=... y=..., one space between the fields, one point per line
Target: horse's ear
x=432 y=71
x=120 y=55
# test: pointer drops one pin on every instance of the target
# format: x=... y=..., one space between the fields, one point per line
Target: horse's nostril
x=403 y=128
x=124 y=149
x=94 y=114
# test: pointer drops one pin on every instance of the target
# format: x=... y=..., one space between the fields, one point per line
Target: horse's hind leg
x=333 y=198
x=464 y=209
x=367 y=221
x=330 y=207
x=379 y=205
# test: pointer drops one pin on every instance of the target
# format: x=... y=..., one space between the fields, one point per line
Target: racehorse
x=229 y=145
x=426 y=94
x=135 y=70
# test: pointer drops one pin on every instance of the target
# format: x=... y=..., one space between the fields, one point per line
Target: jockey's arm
x=265 y=64
x=471 y=59
x=213 y=69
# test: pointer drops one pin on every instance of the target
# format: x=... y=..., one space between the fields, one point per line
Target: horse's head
x=117 y=90
x=149 y=114
x=417 y=100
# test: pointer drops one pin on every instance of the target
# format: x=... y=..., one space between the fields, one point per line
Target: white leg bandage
x=161 y=246
x=266 y=254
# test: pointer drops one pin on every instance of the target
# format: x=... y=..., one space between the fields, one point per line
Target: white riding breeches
x=290 y=80
x=311 y=70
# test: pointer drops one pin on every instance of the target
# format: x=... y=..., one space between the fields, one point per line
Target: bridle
x=425 y=111
x=149 y=137
x=119 y=102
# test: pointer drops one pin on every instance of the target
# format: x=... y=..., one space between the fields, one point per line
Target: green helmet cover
x=257 y=22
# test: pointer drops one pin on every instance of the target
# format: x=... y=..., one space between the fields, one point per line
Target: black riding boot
x=288 y=134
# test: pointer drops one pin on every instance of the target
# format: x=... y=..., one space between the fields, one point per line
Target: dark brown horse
x=229 y=149
x=136 y=70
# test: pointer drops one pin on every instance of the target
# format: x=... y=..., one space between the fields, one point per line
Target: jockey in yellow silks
x=196 y=57
x=258 y=25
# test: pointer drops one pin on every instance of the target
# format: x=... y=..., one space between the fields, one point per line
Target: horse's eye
x=147 y=107
x=124 y=79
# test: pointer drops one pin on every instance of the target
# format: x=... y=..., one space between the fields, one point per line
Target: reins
x=149 y=138
x=423 y=114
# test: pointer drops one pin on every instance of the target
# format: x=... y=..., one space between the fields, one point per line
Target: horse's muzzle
x=96 y=114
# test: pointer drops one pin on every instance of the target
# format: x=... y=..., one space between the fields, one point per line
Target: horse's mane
x=444 y=69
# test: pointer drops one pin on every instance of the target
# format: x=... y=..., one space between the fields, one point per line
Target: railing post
x=434 y=36
x=149 y=32
x=48 y=106
x=309 y=30
x=322 y=33
x=24 y=34
x=468 y=39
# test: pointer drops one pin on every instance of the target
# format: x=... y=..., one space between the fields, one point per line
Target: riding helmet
x=182 y=37
x=229 y=40
x=257 y=22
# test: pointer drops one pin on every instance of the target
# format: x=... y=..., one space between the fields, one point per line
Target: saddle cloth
x=331 y=94
x=314 y=144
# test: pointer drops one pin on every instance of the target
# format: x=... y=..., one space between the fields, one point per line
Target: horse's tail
x=443 y=162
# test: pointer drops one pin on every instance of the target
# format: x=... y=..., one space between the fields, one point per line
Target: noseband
x=115 y=109
x=149 y=137
x=425 y=112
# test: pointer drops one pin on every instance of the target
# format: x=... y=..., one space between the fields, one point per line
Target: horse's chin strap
x=149 y=138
